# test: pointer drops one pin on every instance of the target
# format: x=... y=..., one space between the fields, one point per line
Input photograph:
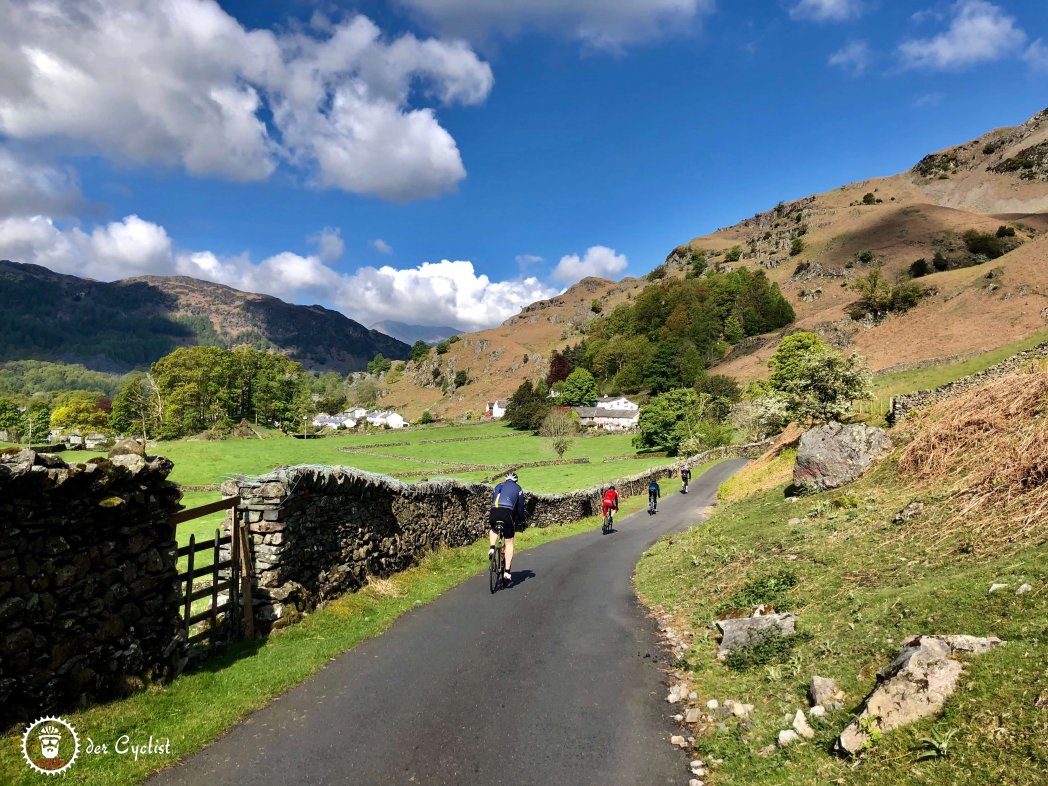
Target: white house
x=610 y=414
x=617 y=403
x=324 y=420
x=496 y=409
x=391 y=419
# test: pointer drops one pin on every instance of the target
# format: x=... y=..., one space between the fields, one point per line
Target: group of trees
x=673 y=330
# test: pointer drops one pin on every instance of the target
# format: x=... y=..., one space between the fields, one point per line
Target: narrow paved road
x=552 y=681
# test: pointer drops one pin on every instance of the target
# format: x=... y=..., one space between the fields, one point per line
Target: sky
x=447 y=162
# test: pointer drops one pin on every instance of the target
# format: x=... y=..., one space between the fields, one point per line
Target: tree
x=427 y=418
x=869 y=198
x=380 y=365
x=733 y=332
x=559 y=368
x=580 y=389
x=35 y=421
x=559 y=428
x=816 y=382
x=419 y=351
x=461 y=378
x=672 y=417
x=733 y=254
x=364 y=393
x=135 y=408
x=10 y=414
x=527 y=407
x=80 y=415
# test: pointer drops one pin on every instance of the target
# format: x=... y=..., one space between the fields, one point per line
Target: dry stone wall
x=903 y=405
x=89 y=601
x=318 y=532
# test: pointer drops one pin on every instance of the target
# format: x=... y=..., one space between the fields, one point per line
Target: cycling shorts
x=503 y=516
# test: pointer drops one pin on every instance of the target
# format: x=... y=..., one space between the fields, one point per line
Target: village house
x=495 y=409
x=610 y=414
x=324 y=420
x=390 y=419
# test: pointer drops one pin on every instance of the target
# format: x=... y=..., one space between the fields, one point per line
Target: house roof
x=601 y=412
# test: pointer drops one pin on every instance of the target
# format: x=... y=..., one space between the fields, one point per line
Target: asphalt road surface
x=555 y=680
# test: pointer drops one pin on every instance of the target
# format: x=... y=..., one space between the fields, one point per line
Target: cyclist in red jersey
x=611 y=500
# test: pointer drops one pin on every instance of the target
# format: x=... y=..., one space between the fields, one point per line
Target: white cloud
x=1036 y=56
x=599 y=261
x=827 y=10
x=604 y=24
x=979 y=31
x=381 y=246
x=329 y=243
x=928 y=100
x=121 y=249
x=28 y=189
x=855 y=57
x=182 y=83
x=438 y=293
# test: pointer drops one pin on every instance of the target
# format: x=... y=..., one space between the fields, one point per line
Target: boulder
x=834 y=455
x=128 y=447
x=746 y=631
x=915 y=685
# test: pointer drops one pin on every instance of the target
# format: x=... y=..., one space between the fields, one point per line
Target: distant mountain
x=431 y=334
x=128 y=324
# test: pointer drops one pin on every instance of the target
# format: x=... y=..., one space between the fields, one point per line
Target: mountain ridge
x=122 y=325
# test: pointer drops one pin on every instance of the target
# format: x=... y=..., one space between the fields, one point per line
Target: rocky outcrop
x=915 y=685
x=834 y=455
x=88 y=597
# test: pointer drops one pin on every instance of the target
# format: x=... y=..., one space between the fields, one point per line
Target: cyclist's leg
x=509 y=553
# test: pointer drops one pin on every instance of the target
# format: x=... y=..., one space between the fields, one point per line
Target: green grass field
x=861 y=585
x=203 y=703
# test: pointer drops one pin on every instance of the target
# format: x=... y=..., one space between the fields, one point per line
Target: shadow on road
x=520 y=576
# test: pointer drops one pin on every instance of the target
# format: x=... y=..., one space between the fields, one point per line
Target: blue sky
x=448 y=161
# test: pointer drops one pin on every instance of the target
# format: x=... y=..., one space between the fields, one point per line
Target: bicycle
x=606 y=527
x=684 y=487
x=497 y=560
x=652 y=505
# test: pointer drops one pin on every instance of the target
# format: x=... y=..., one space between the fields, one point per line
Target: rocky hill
x=999 y=179
x=128 y=324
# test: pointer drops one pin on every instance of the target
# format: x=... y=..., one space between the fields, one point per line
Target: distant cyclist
x=685 y=478
x=654 y=492
x=507 y=508
x=611 y=501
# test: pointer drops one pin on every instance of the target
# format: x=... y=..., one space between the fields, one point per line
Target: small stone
x=786 y=737
x=995 y=587
x=821 y=690
x=694 y=715
x=698 y=771
x=695 y=782
x=693 y=696
x=741 y=710
x=800 y=725
x=712 y=704
x=794 y=521
x=696 y=763
x=678 y=717
x=1023 y=589
x=679 y=741
x=818 y=711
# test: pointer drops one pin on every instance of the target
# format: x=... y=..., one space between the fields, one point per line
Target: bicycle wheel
x=495 y=569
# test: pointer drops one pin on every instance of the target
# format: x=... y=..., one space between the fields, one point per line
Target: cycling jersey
x=509 y=496
x=611 y=500
x=654 y=490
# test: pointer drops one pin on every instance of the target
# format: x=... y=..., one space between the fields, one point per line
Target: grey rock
x=834 y=455
x=995 y=587
x=821 y=690
x=749 y=630
x=800 y=725
x=914 y=685
x=1023 y=589
x=694 y=715
x=818 y=711
x=787 y=737
x=908 y=512
x=128 y=447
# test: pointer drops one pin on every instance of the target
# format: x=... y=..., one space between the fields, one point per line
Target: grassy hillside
x=860 y=584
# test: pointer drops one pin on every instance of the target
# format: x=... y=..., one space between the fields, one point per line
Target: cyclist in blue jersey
x=507 y=508
x=654 y=492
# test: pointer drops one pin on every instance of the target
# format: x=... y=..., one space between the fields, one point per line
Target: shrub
x=443 y=347
x=796 y=247
x=427 y=417
x=771 y=647
x=940 y=262
x=461 y=378
x=733 y=254
x=768 y=590
x=920 y=268
x=596 y=307
x=1005 y=231
x=869 y=199
x=985 y=244
x=866 y=257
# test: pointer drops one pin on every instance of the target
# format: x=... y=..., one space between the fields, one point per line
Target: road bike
x=653 y=505
x=684 y=487
x=497 y=560
x=608 y=523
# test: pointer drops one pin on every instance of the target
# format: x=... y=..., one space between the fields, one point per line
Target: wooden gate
x=207 y=617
